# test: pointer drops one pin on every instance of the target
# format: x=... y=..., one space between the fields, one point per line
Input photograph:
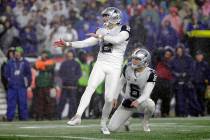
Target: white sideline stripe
x=65 y=137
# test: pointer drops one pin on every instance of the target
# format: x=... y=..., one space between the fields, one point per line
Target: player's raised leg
x=96 y=77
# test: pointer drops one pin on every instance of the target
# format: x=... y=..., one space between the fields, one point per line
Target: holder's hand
x=135 y=104
x=114 y=103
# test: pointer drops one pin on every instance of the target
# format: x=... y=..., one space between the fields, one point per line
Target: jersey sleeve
x=91 y=41
x=152 y=76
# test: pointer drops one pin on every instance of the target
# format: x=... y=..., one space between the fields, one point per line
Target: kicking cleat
x=76 y=120
x=105 y=131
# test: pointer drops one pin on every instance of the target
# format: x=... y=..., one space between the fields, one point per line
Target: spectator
x=151 y=33
x=18 y=74
x=9 y=35
x=150 y=10
x=29 y=40
x=201 y=77
x=70 y=34
x=206 y=8
x=174 y=19
x=44 y=101
x=10 y=56
x=136 y=22
x=69 y=73
x=167 y=35
x=134 y=7
x=23 y=18
x=18 y=8
x=163 y=87
x=41 y=33
x=195 y=25
x=186 y=98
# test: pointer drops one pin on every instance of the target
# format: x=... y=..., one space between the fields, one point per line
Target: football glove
x=59 y=43
x=127 y=103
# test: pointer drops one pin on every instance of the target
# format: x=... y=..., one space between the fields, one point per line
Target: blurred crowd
x=57 y=77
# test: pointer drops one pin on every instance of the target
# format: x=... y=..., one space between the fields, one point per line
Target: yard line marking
x=168 y=125
x=65 y=137
x=58 y=126
x=185 y=130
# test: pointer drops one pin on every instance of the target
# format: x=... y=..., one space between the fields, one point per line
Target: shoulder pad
x=125 y=28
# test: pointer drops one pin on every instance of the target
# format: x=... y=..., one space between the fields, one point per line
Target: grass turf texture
x=162 y=129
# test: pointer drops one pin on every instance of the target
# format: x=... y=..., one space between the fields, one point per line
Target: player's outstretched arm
x=91 y=41
x=122 y=36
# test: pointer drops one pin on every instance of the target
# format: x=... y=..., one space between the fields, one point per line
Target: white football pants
x=121 y=115
x=100 y=72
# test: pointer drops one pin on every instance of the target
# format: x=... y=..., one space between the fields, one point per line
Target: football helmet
x=143 y=55
x=114 y=15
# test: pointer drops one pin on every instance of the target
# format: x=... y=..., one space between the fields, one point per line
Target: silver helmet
x=113 y=13
x=143 y=55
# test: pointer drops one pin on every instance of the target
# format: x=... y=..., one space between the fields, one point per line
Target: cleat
x=76 y=120
x=146 y=126
x=105 y=131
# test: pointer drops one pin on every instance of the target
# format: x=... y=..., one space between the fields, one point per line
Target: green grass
x=162 y=129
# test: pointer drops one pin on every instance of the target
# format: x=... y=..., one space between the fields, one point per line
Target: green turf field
x=162 y=129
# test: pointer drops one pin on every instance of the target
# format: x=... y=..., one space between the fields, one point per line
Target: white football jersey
x=135 y=82
x=112 y=53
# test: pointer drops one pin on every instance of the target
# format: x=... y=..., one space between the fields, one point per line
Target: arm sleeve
x=146 y=92
x=91 y=41
x=148 y=87
x=122 y=36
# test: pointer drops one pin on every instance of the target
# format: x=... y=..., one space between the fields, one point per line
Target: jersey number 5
x=134 y=91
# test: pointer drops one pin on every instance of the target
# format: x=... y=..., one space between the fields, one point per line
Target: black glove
x=127 y=103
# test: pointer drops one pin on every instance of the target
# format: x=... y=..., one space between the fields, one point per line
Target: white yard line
x=65 y=137
x=168 y=125
x=58 y=126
